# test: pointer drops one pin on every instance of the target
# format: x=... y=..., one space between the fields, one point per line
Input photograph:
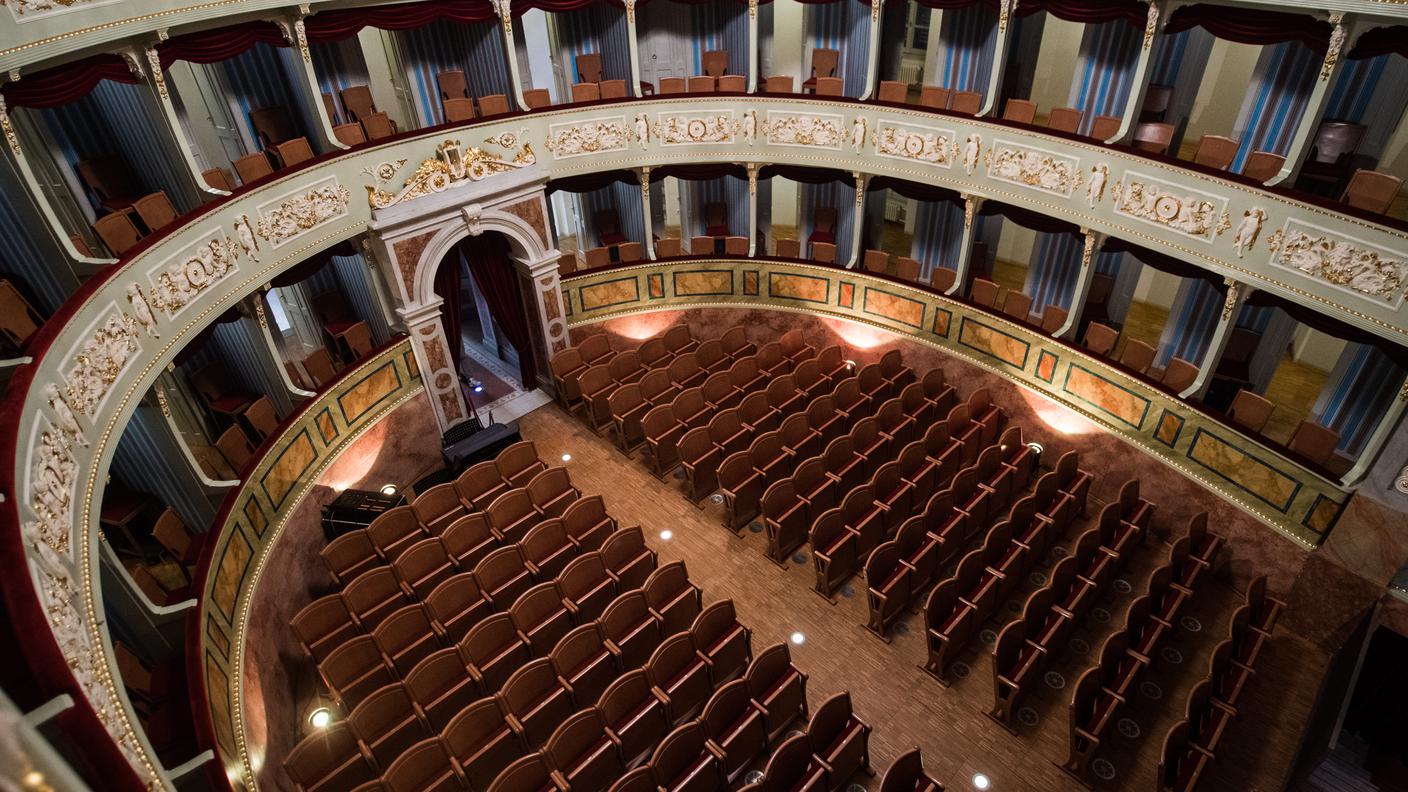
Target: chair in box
x=1151 y=136
x=1064 y=119
x=824 y=252
x=966 y=102
x=252 y=167
x=631 y=251
x=273 y=125
x=824 y=63
x=672 y=85
x=452 y=84
x=985 y=292
x=1262 y=165
x=117 y=231
x=788 y=248
x=1018 y=306
x=907 y=269
x=1106 y=127
x=1331 y=156
x=1021 y=111
x=1137 y=355
x=732 y=83
x=777 y=84
x=1371 y=190
x=1100 y=339
x=700 y=84
x=585 y=92
x=293 y=152
x=352 y=134
x=358 y=101
x=943 y=278
x=537 y=98
x=933 y=96
x=1250 y=411
x=829 y=86
x=459 y=110
x=588 y=67
x=876 y=261
x=715 y=62
x=218 y=178
x=155 y=210
x=1215 y=151
x=894 y=91
x=1314 y=442
x=493 y=104
x=613 y=89
x=111 y=181
x=667 y=247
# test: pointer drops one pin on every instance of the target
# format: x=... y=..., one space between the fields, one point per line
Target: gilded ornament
x=1248 y=229
x=917 y=143
x=1153 y=201
x=676 y=130
x=449 y=165
x=1224 y=222
x=154 y=63
x=300 y=33
x=180 y=283
x=9 y=130
x=1229 y=304
x=1151 y=24
x=1332 y=54
x=1033 y=168
x=1341 y=261
x=819 y=131
x=1004 y=13
x=302 y=213
x=588 y=137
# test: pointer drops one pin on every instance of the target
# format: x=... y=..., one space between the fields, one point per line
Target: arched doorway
x=486 y=320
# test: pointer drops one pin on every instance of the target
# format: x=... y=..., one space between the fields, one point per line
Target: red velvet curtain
x=1028 y=218
x=213 y=46
x=700 y=172
x=588 y=182
x=1390 y=40
x=497 y=280
x=919 y=191
x=337 y=25
x=559 y=6
x=1252 y=25
x=1089 y=11
x=66 y=83
x=447 y=285
x=806 y=175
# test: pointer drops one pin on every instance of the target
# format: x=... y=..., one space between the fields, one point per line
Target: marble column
x=1093 y=241
x=1226 y=322
x=436 y=362
x=1315 y=105
x=1130 y=117
x=542 y=296
x=971 y=204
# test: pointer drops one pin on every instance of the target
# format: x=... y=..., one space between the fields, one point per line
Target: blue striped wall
x=477 y=49
x=1052 y=271
x=257 y=78
x=843 y=26
x=1105 y=70
x=968 y=38
x=25 y=255
x=337 y=65
x=1359 y=390
x=1194 y=316
x=938 y=235
x=1276 y=99
x=144 y=462
x=599 y=29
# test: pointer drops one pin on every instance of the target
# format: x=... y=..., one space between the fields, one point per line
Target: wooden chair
x=1064 y=119
x=1314 y=442
x=824 y=252
x=933 y=96
x=452 y=84
x=260 y=419
x=118 y=232
x=352 y=134
x=566 y=264
x=589 y=67
x=1179 y=375
x=358 y=101
x=907 y=268
x=776 y=84
x=598 y=257
x=787 y=248
x=702 y=246
x=1105 y=127
x=894 y=91
x=1137 y=355
x=828 y=86
x=18 y=319
x=458 y=109
x=292 y=152
x=613 y=89
x=320 y=367
x=715 y=63
x=1152 y=136
x=1053 y=318
x=876 y=261
x=493 y=104
x=155 y=210
x=330 y=107
x=1371 y=190
x=1100 y=339
x=966 y=102
x=700 y=83
x=234 y=448
x=630 y=251
x=985 y=292
x=219 y=178
x=1022 y=111
x=1156 y=101
x=667 y=247
x=824 y=63
x=537 y=98
x=943 y=278
x=170 y=530
x=1215 y=151
x=273 y=125
x=1017 y=305
x=1250 y=410
x=673 y=85
x=732 y=83
x=110 y=180
x=1331 y=156
x=253 y=167
x=736 y=245
x=1262 y=165
x=585 y=92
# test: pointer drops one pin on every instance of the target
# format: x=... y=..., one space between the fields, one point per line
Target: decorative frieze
x=1179 y=209
x=187 y=275
x=1347 y=263
x=98 y=362
x=931 y=145
x=282 y=221
x=1033 y=168
x=589 y=137
x=29 y=10
x=812 y=130
x=450 y=165
x=684 y=129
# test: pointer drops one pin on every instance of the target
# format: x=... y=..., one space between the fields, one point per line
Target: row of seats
x=569 y=365
x=1103 y=689
x=1192 y=743
x=823 y=757
x=906 y=774
x=1027 y=645
x=961 y=603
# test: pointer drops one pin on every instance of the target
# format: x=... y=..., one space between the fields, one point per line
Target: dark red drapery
x=588 y=182
x=700 y=171
x=447 y=285
x=497 y=280
x=1028 y=218
x=1252 y=25
x=806 y=175
x=919 y=191
x=337 y=25
x=213 y=46
x=1091 y=12
x=1164 y=262
x=1390 y=40
x=66 y=83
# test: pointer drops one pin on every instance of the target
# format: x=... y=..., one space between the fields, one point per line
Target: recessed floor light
x=798 y=638
x=667 y=535
x=320 y=718
x=566 y=457
x=389 y=489
x=981 y=781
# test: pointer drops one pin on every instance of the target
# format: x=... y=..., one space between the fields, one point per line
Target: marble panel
x=703 y=283
x=368 y=392
x=1248 y=472
x=608 y=293
x=994 y=343
x=1106 y=396
x=888 y=305
x=283 y=475
x=806 y=288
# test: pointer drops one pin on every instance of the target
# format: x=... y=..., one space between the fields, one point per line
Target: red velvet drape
x=587 y=182
x=1028 y=218
x=1390 y=40
x=806 y=175
x=447 y=285
x=1252 y=25
x=66 y=83
x=213 y=46
x=337 y=25
x=496 y=279
x=700 y=171
x=919 y=191
x=1089 y=11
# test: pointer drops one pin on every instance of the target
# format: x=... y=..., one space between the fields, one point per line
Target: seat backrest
x=537 y=98
x=1100 y=339
x=1106 y=127
x=824 y=62
x=1180 y=374
x=894 y=91
x=273 y=125
x=966 y=102
x=1137 y=355
x=586 y=92
x=219 y=178
x=292 y=152
x=1250 y=410
x=170 y=531
x=1215 y=151
x=352 y=134
x=984 y=292
x=118 y=232
x=1153 y=136
x=110 y=178
x=252 y=167
x=1017 y=305
x=589 y=67
x=1335 y=140
x=1262 y=165
x=358 y=101
x=829 y=86
x=700 y=83
x=1314 y=442
x=672 y=85
x=933 y=96
x=787 y=248
x=1053 y=318
x=1371 y=190
x=715 y=62
x=493 y=104
x=907 y=268
x=876 y=261
x=1064 y=119
x=452 y=84
x=824 y=252
x=459 y=109
x=780 y=84
x=1022 y=111
x=155 y=210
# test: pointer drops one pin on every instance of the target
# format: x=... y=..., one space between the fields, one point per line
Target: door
x=668 y=47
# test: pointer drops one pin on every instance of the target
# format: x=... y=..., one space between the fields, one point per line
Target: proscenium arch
x=525 y=244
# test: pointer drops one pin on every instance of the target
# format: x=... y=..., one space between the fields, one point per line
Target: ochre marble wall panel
x=380 y=384
x=1103 y=394
x=1252 y=474
x=994 y=343
x=892 y=306
x=612 y=292
x=799 y=287
x=703 y=283
x=288 y=467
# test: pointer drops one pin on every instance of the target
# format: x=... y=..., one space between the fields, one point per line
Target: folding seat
x=657 y=389
x=632 y=631
x=690 y=409
x=868 y=442
x=1180 y=765
x=1116 y=536
x=834 y=552
x=481 y=741
x=736 y=344
x=596 y=349
x=387 y=722
x=535 y=701
x=777 y=688
x=873 y=385
x=746 y=376
x=641 y=779
x=831 y=364
x=626 y=367
x=423 y=767
x=541 y=617
x=771 y=361
x=784 y=397
x=850 y=402
x=982 y=411
x=353 y=670
x=406 y=637
x=888 y=585
x=422 y=567
x=547 y=549
x=374 y=595
x=328 y=760
x=700 y=458
x=727 y=432
x=711 y=357
x=895 y=372
x=995 y=477
x=1262 y=609
x=552 y=492
x=1228 y=675
x=785 y=519
x=597 y=385
x=587 y=588
x=587 y=523
x=527 y=774
x=479 y=485
x=673 y=600
x=437 y=507
x=679 y=340
x=683 y=762
x=323 y=625
x=442 y=686
x=493 y=649
x=584 y=661
x=628 y=560
x=567 y=366
x=734 y=728
x=582 y=753
x=914 y=405
x=1186 y=569
x=792 y=766
x=1202 y=544
x=722 y=642
x=907 y=774
x=798 y=436
x=895 y=425
x=512 y=514
x=503 y=575
x=1133 y=509
x=865 y=519
x=826 y=419
x=635 y=717
x=350 y=555
x=654 y=354
x=915 y=469
x=795 y=346
x=769 y=457
x=809 y=380
x=467 y=540
x=742 y=487
x=680 y=676
x=1246 y=642
x=919 y=551
x=757 y=414
x=893 y=495
x=948 y=619
x=628 y=408
x=1073 y=481
x=1018 y=456
x=686 y=372
x=938 y=392
x=394 y=530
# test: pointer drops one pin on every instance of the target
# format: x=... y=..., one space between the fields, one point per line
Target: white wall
x=1314 y=348
x=1224 y=86
x=1156 y=287
x=1016 y=243
x=1056 y=64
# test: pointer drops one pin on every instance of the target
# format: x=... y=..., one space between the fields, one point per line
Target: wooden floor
x=905 y=706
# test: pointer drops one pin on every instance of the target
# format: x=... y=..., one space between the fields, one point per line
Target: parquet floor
x=907 y=707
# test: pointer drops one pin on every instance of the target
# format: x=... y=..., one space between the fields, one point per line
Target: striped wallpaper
x=477 y=49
